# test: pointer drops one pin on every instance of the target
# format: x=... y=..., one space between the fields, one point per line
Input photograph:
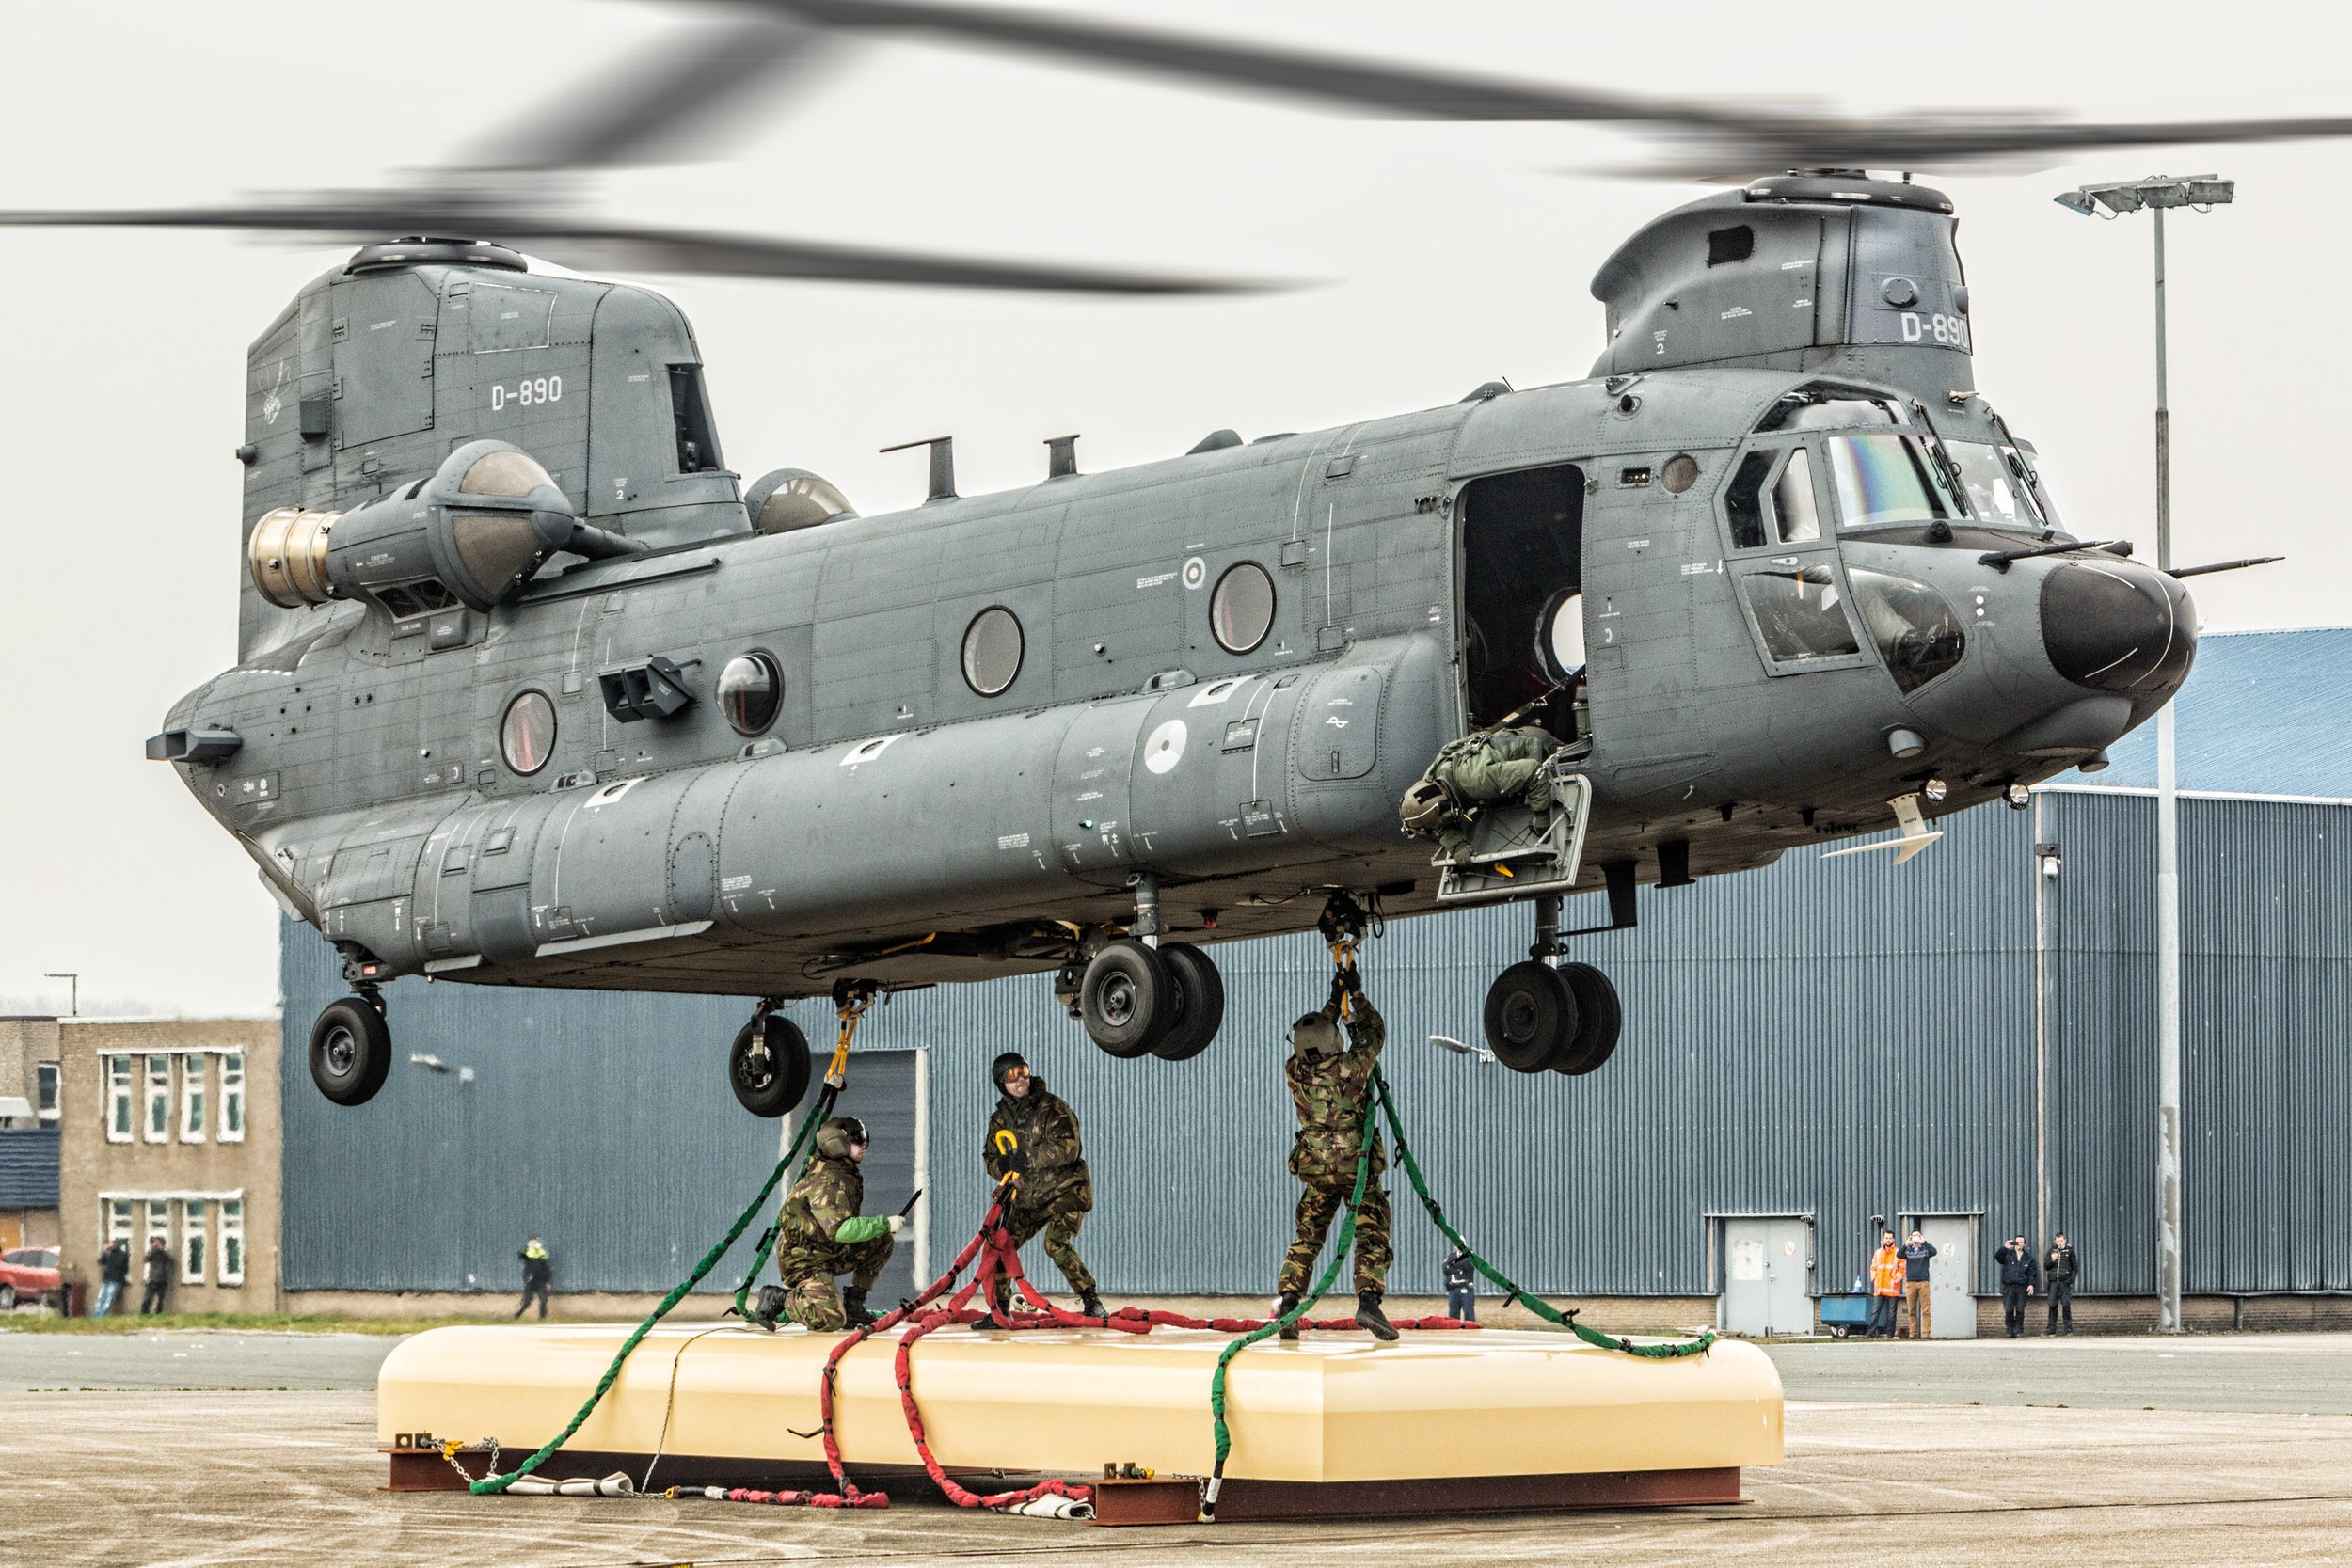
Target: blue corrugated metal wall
x=28 y=1167
x=1839 y=1039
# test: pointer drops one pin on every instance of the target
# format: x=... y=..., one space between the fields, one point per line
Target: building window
x=192 y=1079
x=233 y=1241
x=158 y=1224
x=118 y=1218
x=45 y=1082
x=117 y=1100
x=192 y=1238
x=232 y=1107
x=158 y=1099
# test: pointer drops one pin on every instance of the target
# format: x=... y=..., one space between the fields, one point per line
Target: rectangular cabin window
x=1522 y=573
x=690 y=412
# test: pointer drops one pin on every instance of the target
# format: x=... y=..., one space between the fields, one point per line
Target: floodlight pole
x=2167 y=893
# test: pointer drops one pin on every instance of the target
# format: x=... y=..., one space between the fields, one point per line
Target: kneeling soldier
x=1055 y=1192
x=821 y=1234
x=1329 y=1086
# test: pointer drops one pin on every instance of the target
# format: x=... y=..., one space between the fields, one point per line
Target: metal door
x=1768 y=1276
x=1951 y=1275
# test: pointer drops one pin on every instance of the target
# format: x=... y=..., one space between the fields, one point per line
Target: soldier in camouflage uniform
x=1483 y=768
x=821 y=1234
x=1055 y=1190
x=1332 y=1087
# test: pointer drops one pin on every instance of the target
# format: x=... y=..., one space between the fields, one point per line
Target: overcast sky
x=1442 y=256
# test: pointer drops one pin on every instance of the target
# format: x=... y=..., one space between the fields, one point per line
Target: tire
x=1530 y=1017
x=1200 y=1003
x=351 y=1051
x=1598 y=1019
x=771 y=1078
x=1126 y=999
x=8 y=1298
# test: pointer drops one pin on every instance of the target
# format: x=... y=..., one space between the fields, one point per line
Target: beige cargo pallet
x=1335 y=1423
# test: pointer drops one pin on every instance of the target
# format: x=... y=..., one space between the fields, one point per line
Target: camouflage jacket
x=1048 y=1130
x=1330 y=1094
x=820 y=1219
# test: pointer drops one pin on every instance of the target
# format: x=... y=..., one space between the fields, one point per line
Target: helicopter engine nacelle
x=477 y=530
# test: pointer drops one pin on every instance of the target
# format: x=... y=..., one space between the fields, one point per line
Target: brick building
x=170 y=1128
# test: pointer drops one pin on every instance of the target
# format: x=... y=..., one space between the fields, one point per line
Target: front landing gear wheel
x=1598 y=1019
x=1127 y=998
x=769 y=1066
x=1531 y=1017
x=351 y=1051
x=1200 y=1003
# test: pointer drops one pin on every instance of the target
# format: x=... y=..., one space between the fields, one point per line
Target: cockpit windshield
x=2001 y=489
x=1885 y=480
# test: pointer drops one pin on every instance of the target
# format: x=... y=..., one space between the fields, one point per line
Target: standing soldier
x=1054 y=1191
x=1329 y=1084
x=2059 y=1270
x=821 y=1234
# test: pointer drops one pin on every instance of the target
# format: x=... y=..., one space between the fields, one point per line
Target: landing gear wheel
x=1200 y=992
x=1531 y=1017
x=351 y=1051
x=1127 y=998
x=769 y=1066
x=1598 y=1019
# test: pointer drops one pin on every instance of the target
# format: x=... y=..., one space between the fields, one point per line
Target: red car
x=28 y=1273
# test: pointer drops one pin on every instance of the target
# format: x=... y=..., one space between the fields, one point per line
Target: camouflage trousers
x=810 y=1297
x=1318 y=1205
x=1507 y=767
x=1060 y=1217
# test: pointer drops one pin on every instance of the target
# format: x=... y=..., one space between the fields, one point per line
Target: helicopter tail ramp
x=1334 y=1425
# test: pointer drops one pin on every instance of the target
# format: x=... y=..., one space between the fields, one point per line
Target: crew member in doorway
x=2059 y=1270
x=1328 y=1083
x=1915 y=1254
x=2018 y=1278
x=538 y=1270
x=1461 y=1286
x=1482 y=769
x=1886 y=1286
x=820 y=1235
x=1054 y=1190
x=157 y=1273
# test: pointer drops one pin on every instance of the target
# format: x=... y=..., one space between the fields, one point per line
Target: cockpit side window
x=1764 y=510
x=1825 y=406
x=1745 y=504
x=1794 y=511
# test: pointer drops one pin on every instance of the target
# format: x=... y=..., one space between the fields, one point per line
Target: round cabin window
x=992 y=651
x=1563 y=636
x=751 y=692
x=1679 y=474
x=1241 y=611
x=527 y=735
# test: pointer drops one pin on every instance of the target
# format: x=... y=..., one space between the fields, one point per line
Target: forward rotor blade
x=574 y=241
x=664 y=106
x=1719 y=137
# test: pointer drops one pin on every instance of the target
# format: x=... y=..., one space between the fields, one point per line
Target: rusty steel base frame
x=1160 y=1501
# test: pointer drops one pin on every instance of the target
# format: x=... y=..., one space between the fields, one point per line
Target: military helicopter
x=533 y=691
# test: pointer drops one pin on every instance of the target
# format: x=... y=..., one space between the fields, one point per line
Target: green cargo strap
x=709 y=1261
x=1670 y=1350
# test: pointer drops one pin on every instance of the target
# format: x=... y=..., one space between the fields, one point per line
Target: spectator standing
x=114 y=1273
x=1915 y=1254
x=158 y=1276
x=538 y=1269
x=2059 y=1272
x=1887 y=1286
x=2018 y=1277
x=1461 y=1288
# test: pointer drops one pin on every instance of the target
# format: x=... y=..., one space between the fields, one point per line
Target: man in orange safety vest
x=1887 y=1286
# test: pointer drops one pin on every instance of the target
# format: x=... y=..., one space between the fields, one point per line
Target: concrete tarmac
x=1983 y=1452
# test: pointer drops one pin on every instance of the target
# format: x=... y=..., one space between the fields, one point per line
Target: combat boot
x=1283 y=1308
x=1369 y=1316
x=853 y=1307
x=1090 y=1305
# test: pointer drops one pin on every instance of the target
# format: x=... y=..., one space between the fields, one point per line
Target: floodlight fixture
x=2078 y=200
x=2120 y=198
x=2204 y=190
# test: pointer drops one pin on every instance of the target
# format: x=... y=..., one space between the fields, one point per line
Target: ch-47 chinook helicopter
x=533 y=691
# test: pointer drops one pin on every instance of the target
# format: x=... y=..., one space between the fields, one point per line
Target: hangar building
x=1968 y=1041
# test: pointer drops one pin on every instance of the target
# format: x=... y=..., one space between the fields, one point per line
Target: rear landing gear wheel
x=1598 y=1019
x=351 y=1051
x=1126 y=998
x=1531 y=1017
x=769 y=1066
x=1200 y=992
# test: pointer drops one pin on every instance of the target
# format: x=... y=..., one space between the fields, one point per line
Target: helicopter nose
x=2118 y=628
